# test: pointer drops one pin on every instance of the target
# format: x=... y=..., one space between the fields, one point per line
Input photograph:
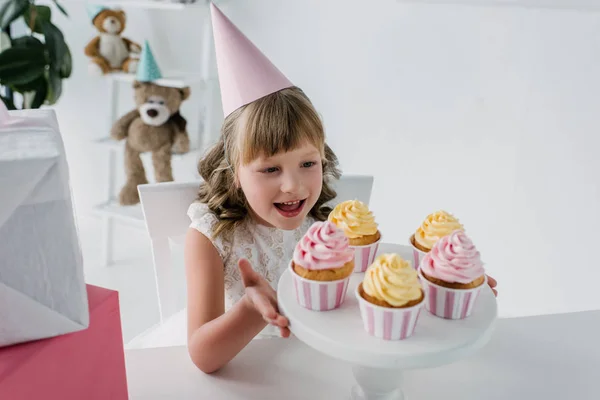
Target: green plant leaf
x=41 y=14
x=11 y=10
x=54 y=87
x=60 y=8
x=8 y=103
x=25 y=42
x=55 y=43
x=66 y=68
x=41 y=92
x=21 y=65
x=30 y=86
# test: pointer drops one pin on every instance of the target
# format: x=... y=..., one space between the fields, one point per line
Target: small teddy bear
x=109 y=51
x=155 y=126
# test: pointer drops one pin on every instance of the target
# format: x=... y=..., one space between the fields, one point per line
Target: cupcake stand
x=378 y=364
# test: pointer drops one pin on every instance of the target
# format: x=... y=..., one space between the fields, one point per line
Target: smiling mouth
x=290 y=208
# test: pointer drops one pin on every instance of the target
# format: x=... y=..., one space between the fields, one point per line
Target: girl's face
x=282 y=189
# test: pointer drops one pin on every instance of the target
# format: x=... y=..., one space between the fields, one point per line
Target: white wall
x=490 y=113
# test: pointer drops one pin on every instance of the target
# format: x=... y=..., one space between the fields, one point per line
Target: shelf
x=174 y=80
x=152 y=4
x=578 y=5
x=115 y=210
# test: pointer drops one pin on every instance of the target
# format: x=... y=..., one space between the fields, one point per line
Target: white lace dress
x=269 y=251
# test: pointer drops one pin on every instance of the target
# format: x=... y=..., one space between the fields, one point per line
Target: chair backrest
x=351 y=187
x=165 y=208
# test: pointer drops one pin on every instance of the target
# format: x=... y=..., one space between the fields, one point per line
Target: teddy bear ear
x=185 y=93
x=122 y=14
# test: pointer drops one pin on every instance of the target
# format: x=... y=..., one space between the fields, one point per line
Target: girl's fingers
x=495 y=292
x=492 y=282
x=279 y=321
x=265 y=308
x=285 y=332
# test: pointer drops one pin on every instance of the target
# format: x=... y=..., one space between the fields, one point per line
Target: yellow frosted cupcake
x=390 y=298
x=358 y=223
x=391 y=282
x=435 y=226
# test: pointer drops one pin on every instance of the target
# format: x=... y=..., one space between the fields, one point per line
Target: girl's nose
x=291 y=183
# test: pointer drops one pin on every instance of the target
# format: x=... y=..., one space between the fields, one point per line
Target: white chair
x=165 y=208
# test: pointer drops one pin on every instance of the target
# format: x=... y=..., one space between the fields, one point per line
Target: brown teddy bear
x=109 y=51
x=154 y=126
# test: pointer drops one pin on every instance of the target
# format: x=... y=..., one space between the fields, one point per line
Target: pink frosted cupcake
x=452 y=275
x=321 y=267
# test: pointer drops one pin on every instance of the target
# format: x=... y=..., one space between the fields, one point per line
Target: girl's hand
x=492 y=283
x=262 y=297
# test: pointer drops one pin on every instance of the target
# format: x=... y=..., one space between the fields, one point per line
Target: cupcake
x=390 y=298
x=435 y=226
x=321 y=267
x=452 y=275
x=359 y=226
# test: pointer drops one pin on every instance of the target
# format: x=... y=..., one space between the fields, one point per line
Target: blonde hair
x=279 y=122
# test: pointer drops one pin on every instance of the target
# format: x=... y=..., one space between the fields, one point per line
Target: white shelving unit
x=155 y=4
x=203 y=83
x=573 y=5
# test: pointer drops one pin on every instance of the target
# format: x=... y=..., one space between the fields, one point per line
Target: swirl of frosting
x=354 y=218
x=323 y=246
x=392 y=279
x=436 y=226
x=454 y=258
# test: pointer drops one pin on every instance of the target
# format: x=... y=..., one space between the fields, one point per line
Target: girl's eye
x=308 y=164
x=270 y=170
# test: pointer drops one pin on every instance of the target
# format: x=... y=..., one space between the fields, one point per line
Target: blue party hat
x=147 y=70
x=93 y=10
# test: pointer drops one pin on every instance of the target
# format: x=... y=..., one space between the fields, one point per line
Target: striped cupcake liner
x=449 y=303
x=319 y=295
x=388 y=323
x=418 y=255
x=364 y=256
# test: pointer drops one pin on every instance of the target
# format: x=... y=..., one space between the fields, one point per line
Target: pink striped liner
x=418 y=255
x=364 y=256
x=389 y=323
x=319 y=295
x=450 y=303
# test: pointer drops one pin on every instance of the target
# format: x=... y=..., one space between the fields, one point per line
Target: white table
x=544 y=357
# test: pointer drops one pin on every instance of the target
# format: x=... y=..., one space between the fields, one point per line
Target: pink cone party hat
x=245 y=73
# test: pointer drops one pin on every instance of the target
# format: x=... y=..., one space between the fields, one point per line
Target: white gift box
x=42 y=287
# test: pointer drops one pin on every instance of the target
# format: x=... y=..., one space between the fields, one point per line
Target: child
x=265 y=182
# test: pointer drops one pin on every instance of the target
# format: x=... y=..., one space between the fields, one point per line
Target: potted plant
x=32 y=65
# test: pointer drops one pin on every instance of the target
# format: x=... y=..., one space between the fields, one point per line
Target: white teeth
x=291 y=203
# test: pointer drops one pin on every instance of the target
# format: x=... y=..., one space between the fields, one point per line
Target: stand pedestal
x=377 y=384
x=378 y=364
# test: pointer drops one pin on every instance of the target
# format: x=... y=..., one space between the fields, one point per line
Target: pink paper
x=88 y=364
x=317 y=295
x=389 y=323
x=418 y=255
x=364 y=256
x=450 y=303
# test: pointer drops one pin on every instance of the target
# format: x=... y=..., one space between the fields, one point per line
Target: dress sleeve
x=203 y=220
